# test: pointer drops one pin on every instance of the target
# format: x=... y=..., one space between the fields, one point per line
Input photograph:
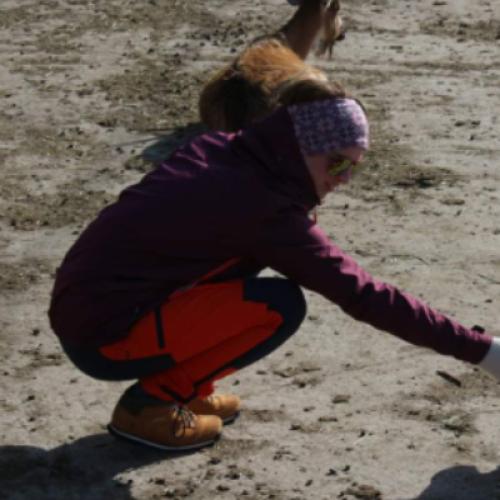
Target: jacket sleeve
x=296 y=247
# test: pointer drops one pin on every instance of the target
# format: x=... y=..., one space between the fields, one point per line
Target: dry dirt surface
x=93 y=92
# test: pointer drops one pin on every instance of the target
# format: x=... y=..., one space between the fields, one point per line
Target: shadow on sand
x=84 y=469
x=166 y=141
x=463 y=482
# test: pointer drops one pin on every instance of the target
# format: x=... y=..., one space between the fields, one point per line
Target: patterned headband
x=329 y=125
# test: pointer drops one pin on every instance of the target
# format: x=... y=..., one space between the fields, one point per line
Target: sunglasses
x=340 y=166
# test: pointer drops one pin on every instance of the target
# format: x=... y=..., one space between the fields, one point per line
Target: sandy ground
x=342 y=411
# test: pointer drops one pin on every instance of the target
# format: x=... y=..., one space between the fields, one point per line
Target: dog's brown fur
x=248 y=89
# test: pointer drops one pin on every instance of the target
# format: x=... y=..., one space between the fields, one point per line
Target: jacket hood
x=274 y=150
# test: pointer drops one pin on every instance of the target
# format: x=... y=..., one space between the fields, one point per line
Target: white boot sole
x=130 y=437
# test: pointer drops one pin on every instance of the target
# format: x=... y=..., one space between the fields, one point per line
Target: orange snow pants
x=203 y=334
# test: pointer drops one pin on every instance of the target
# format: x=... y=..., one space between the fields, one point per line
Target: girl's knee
x=280 y=295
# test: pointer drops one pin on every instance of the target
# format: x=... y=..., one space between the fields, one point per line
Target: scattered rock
x=364 y=492
x=341 y=399
x=449 y=378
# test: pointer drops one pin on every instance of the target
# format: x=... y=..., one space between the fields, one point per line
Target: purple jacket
x=226 y=196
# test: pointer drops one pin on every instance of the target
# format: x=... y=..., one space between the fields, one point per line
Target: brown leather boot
x=224 y=406
x=163 y=425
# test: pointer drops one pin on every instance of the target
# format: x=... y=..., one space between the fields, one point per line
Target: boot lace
x=184 y=419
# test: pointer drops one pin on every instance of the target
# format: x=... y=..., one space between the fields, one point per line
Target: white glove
x=491 y=362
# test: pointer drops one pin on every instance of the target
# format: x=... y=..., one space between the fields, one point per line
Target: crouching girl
x=163 y=286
